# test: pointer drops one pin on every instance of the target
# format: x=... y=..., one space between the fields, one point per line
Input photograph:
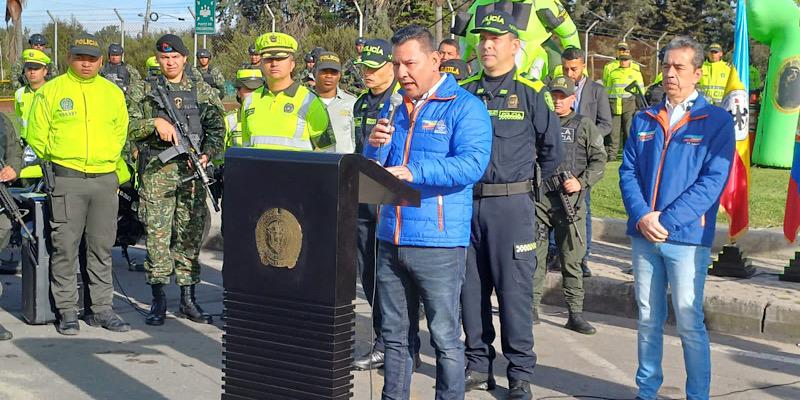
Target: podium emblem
x=279 y=238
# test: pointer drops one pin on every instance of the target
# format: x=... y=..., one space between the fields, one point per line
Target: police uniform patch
x=513 y=101
x=549 y=101
x=289 y=107
x=66 y=104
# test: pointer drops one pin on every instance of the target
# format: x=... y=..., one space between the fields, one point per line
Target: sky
x=95 y=14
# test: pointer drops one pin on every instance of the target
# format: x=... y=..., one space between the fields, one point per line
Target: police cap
x=497 y=22
x=276 y=45
x=715 y=47
x=455 y=67
x=85 y=44
x=250 y=78
x=563 y=84
x=34 y=59
x=328 y=60
x=375 y=53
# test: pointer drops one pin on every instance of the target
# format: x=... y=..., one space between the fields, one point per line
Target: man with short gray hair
x=675 y=165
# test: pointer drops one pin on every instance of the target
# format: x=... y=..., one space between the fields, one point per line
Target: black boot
x=372 y=360
x=189 y=307
x=553 y=262
x=158 y=310
x=478 y=381
x=4 y=334
x=587 y=273
x=519 y=390
x=578 y=324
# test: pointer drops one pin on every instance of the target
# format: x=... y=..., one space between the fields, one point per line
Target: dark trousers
x=83 y=206
x=434 y=274
x=501 y=258
x=366 y=266
x=552 y=249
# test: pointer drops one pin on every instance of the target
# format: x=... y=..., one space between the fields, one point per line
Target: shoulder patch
x=549 y=101
x=535 y=85
x=472 y=78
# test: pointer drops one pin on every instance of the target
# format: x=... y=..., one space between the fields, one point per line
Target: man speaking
x=439 y=142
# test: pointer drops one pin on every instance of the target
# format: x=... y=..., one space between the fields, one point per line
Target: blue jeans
x=684 y=269
x=435 y=274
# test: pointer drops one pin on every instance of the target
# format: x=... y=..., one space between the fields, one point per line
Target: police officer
x=338 y=102
x=173 y=211
x=255 y=58
x=210 y=73
x=283 y=114
x=715 y=75
x=118 y=71
x=501 y=256
x=37 y=42
x=376 y=63
x=614 y=64
x=79 y=124
x=247 y=81
x=623 y=104
x=35 y=66
x=583 y=165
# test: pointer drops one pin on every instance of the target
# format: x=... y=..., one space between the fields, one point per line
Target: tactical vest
x=575 y=159
x=206 y=75
x=186 y=106
x=366 y=118
x=117 y=73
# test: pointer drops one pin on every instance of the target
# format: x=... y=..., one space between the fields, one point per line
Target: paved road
x=182 y=360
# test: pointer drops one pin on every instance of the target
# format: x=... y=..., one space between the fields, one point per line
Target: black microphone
x=394 y=101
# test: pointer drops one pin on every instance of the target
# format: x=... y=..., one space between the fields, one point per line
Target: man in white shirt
x=327 y=74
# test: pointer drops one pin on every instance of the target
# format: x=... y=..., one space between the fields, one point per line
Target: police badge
x=279 y=238
x=513 y=101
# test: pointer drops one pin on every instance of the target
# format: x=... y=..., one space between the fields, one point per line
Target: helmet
x=203 y=53
x=360 y=41
x=309 y=58
x=37 y=39
x=252 y=50
x=115 y=49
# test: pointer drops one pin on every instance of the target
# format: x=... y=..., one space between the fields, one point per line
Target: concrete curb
x=754 y=317
x=765 y=242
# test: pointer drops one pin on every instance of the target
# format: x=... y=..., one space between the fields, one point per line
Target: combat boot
x=189 y=307
x=577 y=323
x=519 y=390
x=158 y=310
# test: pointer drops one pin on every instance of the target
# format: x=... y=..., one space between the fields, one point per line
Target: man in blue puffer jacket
x=675 y=165
x=439 y=142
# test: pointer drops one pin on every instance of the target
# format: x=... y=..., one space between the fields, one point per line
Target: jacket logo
x=694 y=140
x=66 y=104
x=441 y=128
x=645 y=136
x=513 y=101
x=567 y=135
x=178 y=103
x=428 y=125
x=288 y=108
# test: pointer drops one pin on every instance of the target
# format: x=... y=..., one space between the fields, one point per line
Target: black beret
x=169 y=43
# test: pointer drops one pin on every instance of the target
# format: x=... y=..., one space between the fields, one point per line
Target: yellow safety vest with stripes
x=714 y=80
x=617 y=81
x=292 y=119
x=23 y=99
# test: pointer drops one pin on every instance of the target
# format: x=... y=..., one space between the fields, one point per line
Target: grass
x=767 y=196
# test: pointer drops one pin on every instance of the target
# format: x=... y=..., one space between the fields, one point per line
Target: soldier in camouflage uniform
x=38 y=42
x=352 y=80
x=255 y=59
x=209 y=73
x=172 y=211
x=118 y=71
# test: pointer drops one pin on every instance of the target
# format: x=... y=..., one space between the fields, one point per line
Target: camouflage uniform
x=173 y=212
x=213 y=77
x=352 y=80
x=17 y=77
x=134 y=76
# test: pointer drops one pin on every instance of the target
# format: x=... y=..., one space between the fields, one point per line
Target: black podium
x=289 y=223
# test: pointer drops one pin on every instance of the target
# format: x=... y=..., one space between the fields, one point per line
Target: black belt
x=501 y=189
x=64 y=172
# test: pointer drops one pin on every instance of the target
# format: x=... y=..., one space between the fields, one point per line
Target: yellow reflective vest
x=23 y=99
x=714 y=79
x=292 y=119
x=79 y=123
x=614 y=64
x=616 y=83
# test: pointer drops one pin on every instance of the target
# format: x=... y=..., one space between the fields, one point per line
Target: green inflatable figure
x=776 y=23
x=536 y=20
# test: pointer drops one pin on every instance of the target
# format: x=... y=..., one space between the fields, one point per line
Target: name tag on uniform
x=507 y=115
